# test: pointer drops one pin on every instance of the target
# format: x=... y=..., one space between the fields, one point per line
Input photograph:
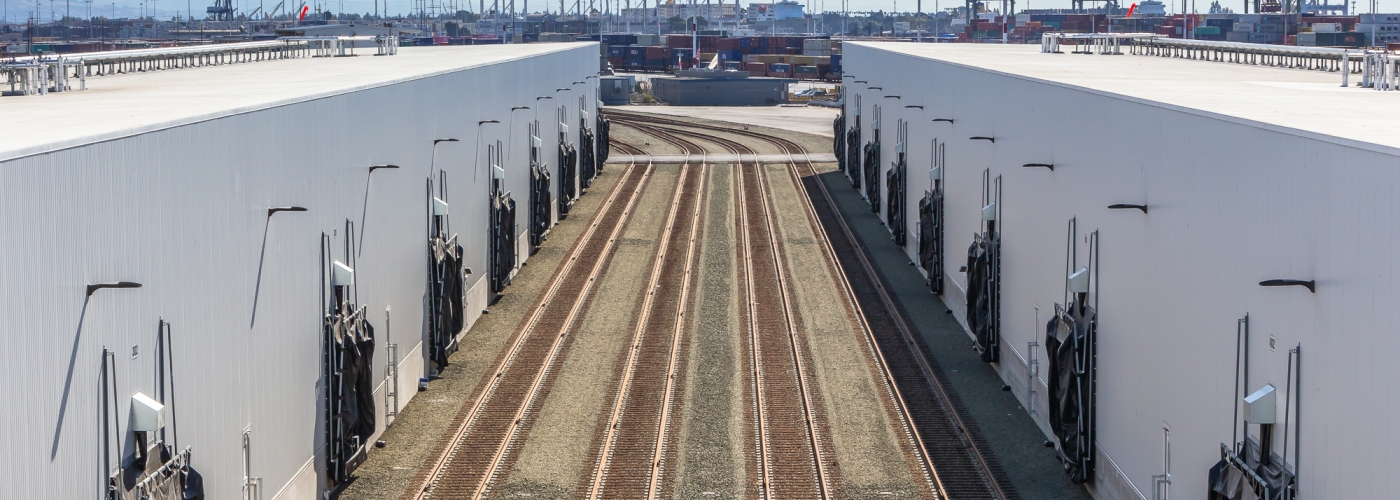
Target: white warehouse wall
x=182 y=209
x=1231 y=202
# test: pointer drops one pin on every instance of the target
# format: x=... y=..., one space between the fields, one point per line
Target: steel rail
x=875 y=355
x=627 y=148
x=475 y=412
x=624 y=391
x=988 y=471
x=901 y=324
x=764 y=457
x=823 y=476
x=604 y=257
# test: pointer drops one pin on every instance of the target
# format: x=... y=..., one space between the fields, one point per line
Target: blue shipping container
x=620 y=39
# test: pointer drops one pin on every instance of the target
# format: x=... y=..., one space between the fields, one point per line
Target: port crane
x=222 y=10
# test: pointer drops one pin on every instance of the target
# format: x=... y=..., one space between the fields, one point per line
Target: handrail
x=1259 y=48
x=161 y=51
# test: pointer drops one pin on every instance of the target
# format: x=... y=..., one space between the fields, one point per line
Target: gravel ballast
x=870 y=452
x=711 y=455
x=388 y=471
x=556 y=450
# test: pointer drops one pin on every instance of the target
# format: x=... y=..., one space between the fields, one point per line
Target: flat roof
x=1308 y=103
x=128 y=104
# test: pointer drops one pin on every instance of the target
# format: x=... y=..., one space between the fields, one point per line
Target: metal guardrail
x=1095 y=43
x=39 y=75
x=1378 y=69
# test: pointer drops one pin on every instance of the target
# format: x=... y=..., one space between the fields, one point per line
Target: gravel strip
x=648 y=143
x=871 y=455
x=388 y=471
x=711 y=458
x=555 y=452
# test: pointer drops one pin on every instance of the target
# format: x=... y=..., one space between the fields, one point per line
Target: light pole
x=565 y=119
x=364 y=208
x=510 y=131
x=476 y=163
x=432 y=164
x=537 y=106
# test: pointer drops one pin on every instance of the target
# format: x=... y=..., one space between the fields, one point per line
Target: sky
x=18 y=10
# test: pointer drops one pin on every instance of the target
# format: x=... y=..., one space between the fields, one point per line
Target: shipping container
x=1273 y=38
x=1380 y=18
x=1341 y=39
x=619 y=39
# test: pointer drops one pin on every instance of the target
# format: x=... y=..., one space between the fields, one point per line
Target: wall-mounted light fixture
x=1308 y=284
x=1050 y=166
x=120 y=284
x=993 y=140
x=476 y=163
x=432 y=163
x=1127 y=206
x=274 y=210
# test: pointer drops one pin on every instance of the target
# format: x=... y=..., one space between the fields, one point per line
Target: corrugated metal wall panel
x=1231 y=204
x=183 y=211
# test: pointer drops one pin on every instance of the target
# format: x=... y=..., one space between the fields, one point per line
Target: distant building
x=780 y=11
x=712 y=12
x=344 y=30
x=1151 y=8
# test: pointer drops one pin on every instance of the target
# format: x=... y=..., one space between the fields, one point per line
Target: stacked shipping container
x=805 y=57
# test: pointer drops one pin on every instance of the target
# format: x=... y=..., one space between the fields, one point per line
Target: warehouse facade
x=1220 y=221
x=228 y=193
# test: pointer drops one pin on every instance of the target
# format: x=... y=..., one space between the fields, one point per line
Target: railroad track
x=483 y=444
x=792 y=454
x=633 y=450
x=626 y=148
x=936 y=413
